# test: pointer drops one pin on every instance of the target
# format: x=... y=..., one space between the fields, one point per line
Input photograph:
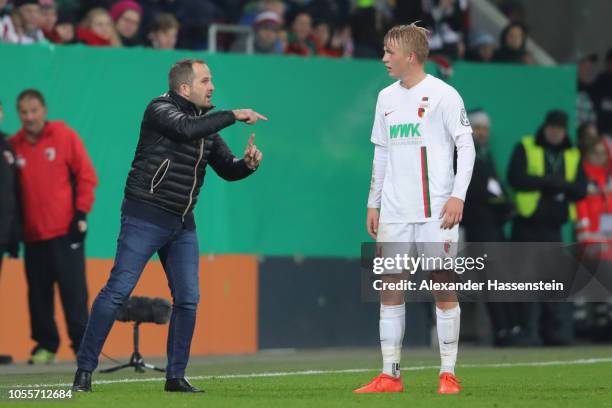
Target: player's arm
x=466 y=155
x=458 y=126
x=379 y=167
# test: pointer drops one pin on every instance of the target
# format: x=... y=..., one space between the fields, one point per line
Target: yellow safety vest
x=527 y=201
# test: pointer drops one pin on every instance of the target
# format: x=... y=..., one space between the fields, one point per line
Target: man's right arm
x=379 y=166
x=166 y=118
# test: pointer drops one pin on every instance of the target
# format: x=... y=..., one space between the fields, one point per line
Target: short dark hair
x=182 y=72
x=164 y=22
x=31 y=94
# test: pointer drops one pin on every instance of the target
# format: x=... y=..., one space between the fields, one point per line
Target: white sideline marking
x=317 y=372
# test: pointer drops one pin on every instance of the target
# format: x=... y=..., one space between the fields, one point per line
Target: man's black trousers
x=46 y=263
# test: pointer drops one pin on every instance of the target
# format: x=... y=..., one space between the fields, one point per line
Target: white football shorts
x=423 y=239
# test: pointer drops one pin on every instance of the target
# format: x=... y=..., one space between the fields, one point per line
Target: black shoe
x=180 y=385
x=4 y=359
x=82 y=381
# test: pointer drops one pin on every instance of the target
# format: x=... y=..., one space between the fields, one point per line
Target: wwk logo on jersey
x=405 y=133
x=405 y=130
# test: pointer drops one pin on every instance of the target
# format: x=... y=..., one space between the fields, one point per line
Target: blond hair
x=99 y=11
x=410 y=38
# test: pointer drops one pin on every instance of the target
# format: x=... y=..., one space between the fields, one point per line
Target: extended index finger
x=251 y=139
x=260 y=116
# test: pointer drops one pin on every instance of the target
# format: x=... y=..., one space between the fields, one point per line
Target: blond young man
x=415 y=196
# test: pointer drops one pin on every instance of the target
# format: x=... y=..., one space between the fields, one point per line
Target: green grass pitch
x=547 y=377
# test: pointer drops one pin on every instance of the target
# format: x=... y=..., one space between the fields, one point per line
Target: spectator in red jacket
x=97 y=29
x=57 y=182
x=594 y=224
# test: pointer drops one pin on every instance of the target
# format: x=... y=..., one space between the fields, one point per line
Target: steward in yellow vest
x=547 y=178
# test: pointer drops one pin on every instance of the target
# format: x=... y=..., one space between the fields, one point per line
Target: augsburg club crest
x=423 y=106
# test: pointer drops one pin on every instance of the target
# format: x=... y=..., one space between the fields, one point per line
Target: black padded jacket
x=177 y=142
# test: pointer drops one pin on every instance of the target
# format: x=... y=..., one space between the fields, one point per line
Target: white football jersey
x=419 y=127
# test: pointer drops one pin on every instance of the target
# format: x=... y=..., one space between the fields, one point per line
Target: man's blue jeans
x=179 y=253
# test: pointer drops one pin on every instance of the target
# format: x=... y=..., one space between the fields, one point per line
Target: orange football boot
x=382 y=383
x=449 y=384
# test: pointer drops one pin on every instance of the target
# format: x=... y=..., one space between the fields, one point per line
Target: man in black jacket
x=487 y=208
x=178 y=138
x=9 y=206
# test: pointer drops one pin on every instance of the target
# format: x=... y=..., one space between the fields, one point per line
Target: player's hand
x=252 y=155
x=248 y=116
x=372 y=222
x=452 y=213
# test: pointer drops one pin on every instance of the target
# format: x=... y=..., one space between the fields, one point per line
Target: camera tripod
x=136 y=359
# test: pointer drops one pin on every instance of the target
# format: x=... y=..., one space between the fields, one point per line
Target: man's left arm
x=458 y=127
x=465 y=164
x=225 y=164
x=86 y=181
